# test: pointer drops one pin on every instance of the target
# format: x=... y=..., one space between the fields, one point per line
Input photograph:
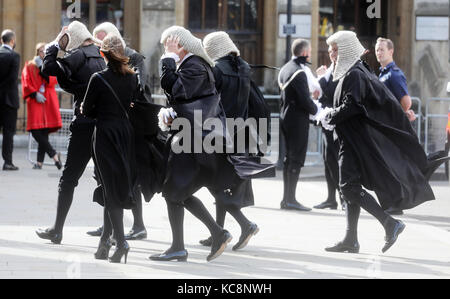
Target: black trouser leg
x=41 y=137
x=286 y=182
x=196 y=208
x=116 y=216
x=353 y=211
x=8 y=120
x=176 y=219
x=138 y=223
x=331 y=186
x=220 y=214
x=79 y=154
x=240 y=217
x=107 y=226
x=65 y=198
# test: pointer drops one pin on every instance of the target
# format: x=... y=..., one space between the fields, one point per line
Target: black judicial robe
x=232 y=76
x=188 y=88
x=374 y=131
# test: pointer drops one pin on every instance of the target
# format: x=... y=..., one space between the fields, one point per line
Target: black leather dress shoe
x=96 y=233
x=251 y=231
x=342 y=247
x=58 y=163
x=180 y=256
x=207 y=242
x=136 y=235
x=392 y=236
x=10 y=167
x=50 y=234
x=219 y=245
x=327 y=205
x=296 y=206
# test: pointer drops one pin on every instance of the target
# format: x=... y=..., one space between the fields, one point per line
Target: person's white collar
x=186 y=57
x=8 y=46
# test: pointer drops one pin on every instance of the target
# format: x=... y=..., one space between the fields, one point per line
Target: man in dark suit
x=9 y=95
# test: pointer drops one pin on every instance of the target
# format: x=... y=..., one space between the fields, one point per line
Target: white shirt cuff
x=171 y=55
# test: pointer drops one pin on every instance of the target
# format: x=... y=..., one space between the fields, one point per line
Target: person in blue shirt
x=394 y=79
x=392 y=76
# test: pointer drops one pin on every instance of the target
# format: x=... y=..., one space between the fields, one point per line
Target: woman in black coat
x=113 y=146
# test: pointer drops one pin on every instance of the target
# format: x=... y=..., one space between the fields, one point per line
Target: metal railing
x=439 y=141
x=417 y=124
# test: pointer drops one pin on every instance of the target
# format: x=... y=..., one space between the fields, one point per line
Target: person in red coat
x=42 y=106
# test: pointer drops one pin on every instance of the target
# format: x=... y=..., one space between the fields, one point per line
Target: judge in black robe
x=191 y=87
x=296 y=108
x=378 y=150
x=232 y=76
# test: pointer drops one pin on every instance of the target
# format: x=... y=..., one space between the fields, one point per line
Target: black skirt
x=114 y=158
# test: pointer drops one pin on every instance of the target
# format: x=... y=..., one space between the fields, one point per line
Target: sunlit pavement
x=289 y=245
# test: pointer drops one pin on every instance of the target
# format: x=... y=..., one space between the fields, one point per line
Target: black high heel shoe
x=342 y=247
x=50 y=234
x=103 y=250
x=119 y=253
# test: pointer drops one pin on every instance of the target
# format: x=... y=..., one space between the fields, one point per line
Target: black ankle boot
x=121 y=251
x=103 y=250
x=50 y=234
